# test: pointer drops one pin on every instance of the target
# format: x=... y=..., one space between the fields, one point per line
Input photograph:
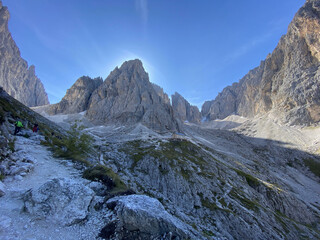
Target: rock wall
x=16 y=78
x=127 y=97
x=183 y=110
x=77 y=97
x=287 y=82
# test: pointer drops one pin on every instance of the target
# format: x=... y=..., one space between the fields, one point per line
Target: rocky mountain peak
x=77 y=97
x=128 y=97
x=183 y=110
x=286 y=84
x=16 y=78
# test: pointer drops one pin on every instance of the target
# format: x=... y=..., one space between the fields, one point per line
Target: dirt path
x=16 y=224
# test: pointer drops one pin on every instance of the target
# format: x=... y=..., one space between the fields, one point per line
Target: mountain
x=16 y=78
x=183 y=110
x=287 y=82
x=128 y=97
x=161 y=93
x=77 y=97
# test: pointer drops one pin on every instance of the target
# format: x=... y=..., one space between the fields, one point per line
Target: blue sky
x=194 y=47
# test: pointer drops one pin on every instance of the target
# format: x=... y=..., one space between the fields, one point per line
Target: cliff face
x=16 y=77
x=287 y=82
x=77 y=97
x=183 y=110
x=127 y=97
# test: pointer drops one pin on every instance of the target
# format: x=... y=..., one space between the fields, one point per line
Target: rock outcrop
x=127 y=97
x=143 y=217
x=19 y=80
x=287 y=83
x=161 y=93
x=77 y=97
x=183 y=110
x=64 y=200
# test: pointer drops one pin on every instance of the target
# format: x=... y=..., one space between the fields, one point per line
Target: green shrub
x=75 y=146
x=106 y=176
x=313 y=165
x=11 y=144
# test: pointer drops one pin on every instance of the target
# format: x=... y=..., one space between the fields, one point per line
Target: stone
x=287 y=82
x=143 y=217
x=63 y=200
x=77 y=97
x=16 y=78
x=183 y=110
x=2 y=189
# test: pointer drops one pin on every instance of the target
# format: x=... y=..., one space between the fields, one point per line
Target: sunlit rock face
x=286 y=82
x=183 y=110
x=16 y=78
x=128 y=97
x=77 y=97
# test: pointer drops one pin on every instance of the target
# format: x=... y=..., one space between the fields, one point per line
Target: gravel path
x=16 y=224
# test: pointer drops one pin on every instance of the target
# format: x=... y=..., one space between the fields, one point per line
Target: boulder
x=143 y=217
x=63 y=200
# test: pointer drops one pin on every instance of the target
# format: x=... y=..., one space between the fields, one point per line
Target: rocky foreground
x=46 y=198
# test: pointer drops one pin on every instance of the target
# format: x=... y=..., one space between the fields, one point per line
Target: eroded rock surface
x=64 y=200
x=16 y=78
x=128 y=97
x=183 y=110
x=77 y=97
x=143 y=217
x=286 y=83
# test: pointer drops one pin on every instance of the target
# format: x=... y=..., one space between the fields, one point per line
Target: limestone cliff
x=19 y=80
x=183 y=110
x=287 y=83
x=77 y=97
x=127 y=97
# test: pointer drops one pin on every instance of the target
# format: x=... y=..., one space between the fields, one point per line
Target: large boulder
x=143 y=217
x=63 y=200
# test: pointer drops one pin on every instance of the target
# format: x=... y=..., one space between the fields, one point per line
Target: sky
x=193 y=47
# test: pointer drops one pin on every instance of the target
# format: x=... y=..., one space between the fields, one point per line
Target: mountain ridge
x=286 y=82
x=17 y=79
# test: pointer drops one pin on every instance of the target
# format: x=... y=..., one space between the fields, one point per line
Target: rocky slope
x=183 y=110
x=16 y=77
x=286 y=84
x=77 y=97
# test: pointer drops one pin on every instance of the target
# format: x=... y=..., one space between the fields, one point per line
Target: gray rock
x=287 y=82
x=98 y=188
x=183 y=110
x=142 y=217
x=127 y=97
x=161 y=93
x=63 y=200
x=77 y=97
x=2 y=189
x=19 y=80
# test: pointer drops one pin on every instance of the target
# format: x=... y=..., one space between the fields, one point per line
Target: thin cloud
x=142 y=9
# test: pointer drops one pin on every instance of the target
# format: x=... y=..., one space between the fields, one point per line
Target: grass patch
x=106 y=176
x=252 y=181
x=75 y=146
x=11 y=144
x=247 y=203
x=313 y=165
x=1 y=177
